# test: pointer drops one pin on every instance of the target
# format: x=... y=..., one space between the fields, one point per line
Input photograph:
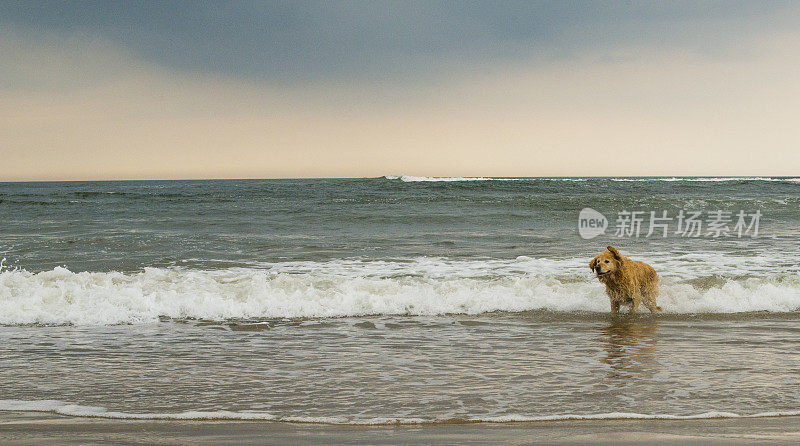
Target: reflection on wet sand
x=631 y=346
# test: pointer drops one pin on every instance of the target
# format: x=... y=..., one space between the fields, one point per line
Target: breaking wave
x=425 y=286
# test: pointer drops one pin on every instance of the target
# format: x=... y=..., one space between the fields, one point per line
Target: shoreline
x=20 y=428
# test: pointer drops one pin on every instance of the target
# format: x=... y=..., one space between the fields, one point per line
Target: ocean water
x=394 y=299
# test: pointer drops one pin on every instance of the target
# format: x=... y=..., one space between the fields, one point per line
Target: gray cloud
x=298 y=41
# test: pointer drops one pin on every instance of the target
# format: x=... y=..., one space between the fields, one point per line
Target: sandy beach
x=28 y=428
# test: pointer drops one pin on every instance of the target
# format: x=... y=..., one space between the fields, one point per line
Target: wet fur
x=628 y=282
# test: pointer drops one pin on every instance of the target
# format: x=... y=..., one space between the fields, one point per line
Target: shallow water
x=409 y=369
x=389 y=299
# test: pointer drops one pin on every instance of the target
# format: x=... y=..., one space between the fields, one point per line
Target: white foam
x=76 y=410
x=622 y=416
x=425 y=286
x=60 y=296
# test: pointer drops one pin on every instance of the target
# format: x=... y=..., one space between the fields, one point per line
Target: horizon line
x=385 y=176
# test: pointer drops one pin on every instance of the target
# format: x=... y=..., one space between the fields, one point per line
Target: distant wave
x=351 y=288
x=77 y=410
x=711 y=179
x=414 y=179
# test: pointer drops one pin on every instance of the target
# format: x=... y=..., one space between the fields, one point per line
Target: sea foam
x=357 y=288
x=77 y=410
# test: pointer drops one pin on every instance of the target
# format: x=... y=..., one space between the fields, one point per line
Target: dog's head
x=606 y=263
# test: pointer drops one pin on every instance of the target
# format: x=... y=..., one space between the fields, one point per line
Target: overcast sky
x=123 y=90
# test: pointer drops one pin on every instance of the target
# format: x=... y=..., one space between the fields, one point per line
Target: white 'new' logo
x=591 y=223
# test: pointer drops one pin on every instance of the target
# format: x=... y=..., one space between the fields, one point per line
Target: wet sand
x=18 y=428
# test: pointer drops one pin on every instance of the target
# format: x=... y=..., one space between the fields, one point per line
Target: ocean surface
x=396 y=299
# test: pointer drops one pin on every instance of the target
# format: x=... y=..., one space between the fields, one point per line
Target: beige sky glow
x=82 y=109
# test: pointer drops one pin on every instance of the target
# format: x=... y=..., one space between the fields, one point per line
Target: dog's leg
x=615 y=306
x=649 y=295
x=635 y=304
x=651 y=305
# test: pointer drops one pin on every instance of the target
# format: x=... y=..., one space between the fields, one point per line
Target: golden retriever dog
x=628 y=282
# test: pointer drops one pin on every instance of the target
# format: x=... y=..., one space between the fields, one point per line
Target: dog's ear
x=614 y=252
x=593 y=264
